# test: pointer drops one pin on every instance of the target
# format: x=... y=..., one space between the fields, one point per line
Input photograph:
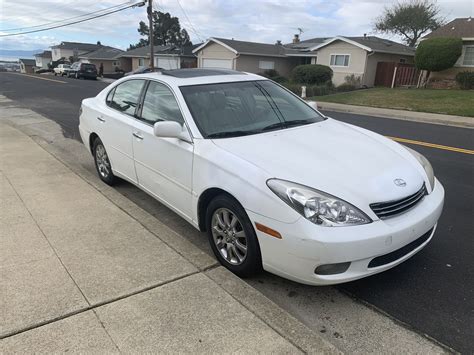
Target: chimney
x=278 y=42
x=296 y=38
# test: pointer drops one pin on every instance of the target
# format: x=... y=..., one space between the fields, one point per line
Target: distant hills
x=11 y=53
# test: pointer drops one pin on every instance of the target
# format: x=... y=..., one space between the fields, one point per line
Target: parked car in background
x=276 y=184
x=142 y=70
x=80 y=70
x=61 y=69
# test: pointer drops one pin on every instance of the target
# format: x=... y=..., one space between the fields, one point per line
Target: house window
x=141 y=62
x=468 y=58
x=305 y=60
x=263 y=64
x=403 y=60
x=340 y=60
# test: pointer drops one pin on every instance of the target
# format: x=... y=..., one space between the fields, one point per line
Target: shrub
x=311 y=74
x=346 y=87
x=311 y=90
x=294 y=88
x=465 y=79
x=353 y=80
x=270 y=73
x=436 y=54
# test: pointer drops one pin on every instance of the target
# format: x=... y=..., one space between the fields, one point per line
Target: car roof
x=185 y=77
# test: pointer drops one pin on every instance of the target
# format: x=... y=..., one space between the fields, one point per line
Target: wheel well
x=204 y=200
x=92 y=139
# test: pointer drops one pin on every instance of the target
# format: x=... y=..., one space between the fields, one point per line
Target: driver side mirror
x=171 y=129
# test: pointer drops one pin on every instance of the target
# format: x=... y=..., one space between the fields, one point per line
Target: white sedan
x=276 y=184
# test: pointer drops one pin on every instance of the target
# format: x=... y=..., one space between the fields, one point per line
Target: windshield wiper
x=287 y=124
x=227 y=134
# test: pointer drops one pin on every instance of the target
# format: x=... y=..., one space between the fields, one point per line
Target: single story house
x=345 y=55
x=72 y=49
x=166 y=57
x=27 y=66
x=109 y=57
x=458 y=28
x=43 y=59
x=249 y=56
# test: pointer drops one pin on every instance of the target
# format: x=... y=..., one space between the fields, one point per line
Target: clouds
x=265 y=21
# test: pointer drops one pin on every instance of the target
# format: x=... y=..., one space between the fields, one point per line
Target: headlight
x=316 y=206
x=425 y=164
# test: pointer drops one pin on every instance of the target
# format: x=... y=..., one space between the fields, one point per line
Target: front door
x=163 y=165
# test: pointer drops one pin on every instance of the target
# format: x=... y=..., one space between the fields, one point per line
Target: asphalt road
x=433 y=292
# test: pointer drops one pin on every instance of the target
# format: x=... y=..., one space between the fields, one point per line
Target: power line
x=74 y=22
x=189 y=21
x=66 y=19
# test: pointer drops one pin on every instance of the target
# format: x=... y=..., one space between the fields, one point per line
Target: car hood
x=351 y=163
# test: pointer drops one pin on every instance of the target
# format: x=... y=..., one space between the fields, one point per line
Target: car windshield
x=242 y=108
x=88 y=66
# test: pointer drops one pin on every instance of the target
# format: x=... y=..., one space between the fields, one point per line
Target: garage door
x=217 y=63
x=167 y=63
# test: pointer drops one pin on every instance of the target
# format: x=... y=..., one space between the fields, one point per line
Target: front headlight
x=317 y=206
x=425 y=164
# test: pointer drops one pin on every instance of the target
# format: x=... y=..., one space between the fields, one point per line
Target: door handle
x=137 y=135
x=100 y=119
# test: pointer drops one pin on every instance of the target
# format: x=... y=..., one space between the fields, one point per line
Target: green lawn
x=451 y=102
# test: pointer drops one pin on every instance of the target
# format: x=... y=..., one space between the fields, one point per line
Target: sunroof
x=194 y=73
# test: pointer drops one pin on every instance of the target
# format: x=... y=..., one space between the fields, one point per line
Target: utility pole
x=150 y=34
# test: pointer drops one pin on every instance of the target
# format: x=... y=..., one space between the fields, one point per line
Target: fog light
x=331 y=269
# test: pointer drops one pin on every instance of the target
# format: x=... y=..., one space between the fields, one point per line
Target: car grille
x=399 y=253
x=393 y=208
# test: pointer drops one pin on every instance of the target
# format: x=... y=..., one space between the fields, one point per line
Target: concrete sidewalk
x=448 y=120
x=79 y=274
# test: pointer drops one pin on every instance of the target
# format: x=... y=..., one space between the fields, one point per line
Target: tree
x=436 y=54
x=166 y=31
x=410 y=19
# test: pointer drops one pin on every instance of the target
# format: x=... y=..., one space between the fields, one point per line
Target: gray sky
x=254 y=20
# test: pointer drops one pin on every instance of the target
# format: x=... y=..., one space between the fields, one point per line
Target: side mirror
x=313 y=104
x=171 y=129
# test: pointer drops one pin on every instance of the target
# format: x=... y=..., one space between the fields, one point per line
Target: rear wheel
x=102 y=163
x=232 y=237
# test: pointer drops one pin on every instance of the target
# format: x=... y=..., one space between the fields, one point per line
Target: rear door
x=116 y=126
x=163 y=165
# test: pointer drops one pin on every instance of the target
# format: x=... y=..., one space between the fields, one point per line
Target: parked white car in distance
x=61 y=69
x=274 y=183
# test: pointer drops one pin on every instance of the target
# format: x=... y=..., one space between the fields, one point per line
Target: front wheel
x=102 y=163
x=232 y=237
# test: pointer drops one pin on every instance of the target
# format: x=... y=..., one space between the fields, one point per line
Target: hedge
x=465 y=79
x=436 y=54
x=311 y=74
x=311 y=90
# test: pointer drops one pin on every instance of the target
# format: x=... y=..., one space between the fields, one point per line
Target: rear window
x=88 y=66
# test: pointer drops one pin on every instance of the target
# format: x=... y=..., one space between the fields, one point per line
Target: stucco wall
x=373 y=59
x=215 y=51
x=356 y=60
x=250 y=63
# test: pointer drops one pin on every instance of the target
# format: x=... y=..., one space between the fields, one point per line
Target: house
x=458 y=28
x=345 y=55
x=43 y=59
x=166 y=57
x=249 y=56
x=27 y=65
x=109 y=57
x=67 y=50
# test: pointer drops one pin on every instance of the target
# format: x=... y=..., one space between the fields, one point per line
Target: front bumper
x=305 y=246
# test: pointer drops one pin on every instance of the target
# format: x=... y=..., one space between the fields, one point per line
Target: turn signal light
x=268 y=230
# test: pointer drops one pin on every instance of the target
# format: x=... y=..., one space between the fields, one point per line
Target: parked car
x=276 y=184
x=61 y=69
x=80 y=70
x=143 y=70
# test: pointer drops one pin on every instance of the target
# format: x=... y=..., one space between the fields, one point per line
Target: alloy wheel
x=229 y=236
x=102 y=161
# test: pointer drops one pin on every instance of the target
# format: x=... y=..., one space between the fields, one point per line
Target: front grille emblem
x=400 y=182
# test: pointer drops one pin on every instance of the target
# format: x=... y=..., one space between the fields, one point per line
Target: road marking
x=37 y=77
x=432 y=145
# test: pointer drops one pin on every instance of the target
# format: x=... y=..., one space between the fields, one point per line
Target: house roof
x=28 y=61
x=249 y=48
x=459 y=28
x=144 y=52
x=88 y=47
x=104 y=52
x=371 y=44
x=45 y=54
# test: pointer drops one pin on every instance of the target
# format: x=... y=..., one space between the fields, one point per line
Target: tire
x=77 y=76
x=102 y=163
x=228 y=246
x=55 y=74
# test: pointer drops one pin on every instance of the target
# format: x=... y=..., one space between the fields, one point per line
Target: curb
x=423 y=117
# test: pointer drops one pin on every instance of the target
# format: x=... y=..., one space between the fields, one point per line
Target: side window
x=126 y=96
x=160 y=104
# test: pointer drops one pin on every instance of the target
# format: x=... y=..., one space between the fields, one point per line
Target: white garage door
x=217 y=63
x=167 y=63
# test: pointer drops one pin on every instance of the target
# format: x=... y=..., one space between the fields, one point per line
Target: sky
x=249 y=20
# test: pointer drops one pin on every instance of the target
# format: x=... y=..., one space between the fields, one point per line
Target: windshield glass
x=242 y=108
